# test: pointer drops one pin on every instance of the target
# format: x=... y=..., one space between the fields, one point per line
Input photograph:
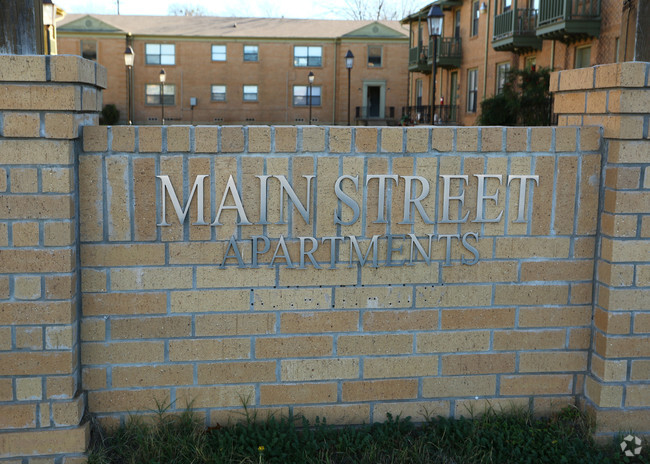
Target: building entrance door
x=374 y=100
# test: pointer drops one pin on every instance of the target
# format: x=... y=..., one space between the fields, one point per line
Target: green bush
x=110 y=115
x=524 y=101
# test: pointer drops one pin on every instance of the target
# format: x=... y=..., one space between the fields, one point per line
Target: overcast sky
x=324 y=9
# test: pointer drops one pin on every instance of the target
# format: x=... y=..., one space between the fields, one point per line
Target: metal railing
x=420 y=114
x=522 y=21
x=418 y=55
x=551 y=11
x=448 y=47
x=366 y=112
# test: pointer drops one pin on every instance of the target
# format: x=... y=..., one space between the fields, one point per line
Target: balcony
x=449 y=52
x=418 y=60
x=514 y=31
x=568 y=20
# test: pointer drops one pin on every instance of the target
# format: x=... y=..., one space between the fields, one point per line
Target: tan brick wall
x=617 y=98
x=41 y=110
x=162 y=318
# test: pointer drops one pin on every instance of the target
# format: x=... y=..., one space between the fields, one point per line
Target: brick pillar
x=617 y=97
x=43 y=101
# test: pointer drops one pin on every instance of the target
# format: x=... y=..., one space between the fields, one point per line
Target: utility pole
x=21 y=27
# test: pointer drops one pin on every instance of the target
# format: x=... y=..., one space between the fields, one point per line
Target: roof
x=420 y=14
x=212 y=26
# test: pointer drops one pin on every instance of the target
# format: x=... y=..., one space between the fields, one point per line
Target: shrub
x=525 y=101
x=110 y=115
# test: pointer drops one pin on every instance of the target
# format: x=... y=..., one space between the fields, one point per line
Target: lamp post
x=349 y=61
x=49 y=20
x=129 y=57
x=311 y=81
x=434 y=23
x=162 y=93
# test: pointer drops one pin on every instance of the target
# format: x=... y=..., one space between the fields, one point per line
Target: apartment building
x=245 y=70
x=483 y=39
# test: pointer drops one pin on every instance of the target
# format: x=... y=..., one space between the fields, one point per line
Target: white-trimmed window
x=218 y=53
x=250 y=93
x=472 y=90
x=307 y=56
x=163 y=54
x=89 y=49
x=583 y=57
x=251 y=53
x=153 y=92
x=374 y=56
x=218 y=93
x=502 y=76
x=418 y=92
x=301 y=95
x=475 y=15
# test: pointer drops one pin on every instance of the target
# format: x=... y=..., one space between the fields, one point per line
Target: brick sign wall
x=345 y=306
x=328 y=271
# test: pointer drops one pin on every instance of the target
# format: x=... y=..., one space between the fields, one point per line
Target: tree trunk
x=21 y=27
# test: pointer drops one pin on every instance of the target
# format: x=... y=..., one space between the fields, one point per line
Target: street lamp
x=434 y=22
x=49 y=21
x=349 y=61
x=162 y=93
x=311 y=81
x=129 y=57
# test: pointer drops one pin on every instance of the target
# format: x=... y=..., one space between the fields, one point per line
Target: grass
x=514 y=437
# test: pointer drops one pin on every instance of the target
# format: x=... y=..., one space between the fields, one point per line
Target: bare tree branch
x=375 y=9
x=178 y=9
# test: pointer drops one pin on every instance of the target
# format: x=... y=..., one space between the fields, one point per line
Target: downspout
x=487 y=43
x=408 y=92
x=337 y=46
x=552 y=55
x=408 y=73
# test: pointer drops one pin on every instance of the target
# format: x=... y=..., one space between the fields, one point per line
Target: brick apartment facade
x=483 y=38
x=246 y=70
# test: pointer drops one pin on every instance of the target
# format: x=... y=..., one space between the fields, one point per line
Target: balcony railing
x=562 y=10
x=372 y=112
x=418 y=59
x=569 y=18
x=449 y=52
x=420 y=114
x=514 y=30
x=524 y=22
